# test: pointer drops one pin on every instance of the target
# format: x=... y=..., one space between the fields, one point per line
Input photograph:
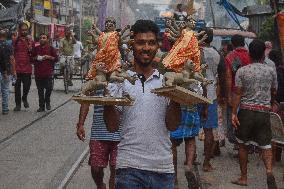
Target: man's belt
x=253 y=107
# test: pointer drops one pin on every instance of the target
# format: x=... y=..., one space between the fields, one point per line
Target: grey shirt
x=145 y=143
x=212 y=59
x=256 y=81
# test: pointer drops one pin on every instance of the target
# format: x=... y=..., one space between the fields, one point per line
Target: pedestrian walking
x=209 y=113
x=7 y=69
x=78 y=49
x=44 y=57
x=103 y=145
x=23 y=46
x=67 y=50
x=187 y=131
x=144 y=157
x=276 y=57
x=234 y=60
x=255 y=89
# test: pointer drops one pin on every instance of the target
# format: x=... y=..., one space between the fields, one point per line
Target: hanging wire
x=232 y=11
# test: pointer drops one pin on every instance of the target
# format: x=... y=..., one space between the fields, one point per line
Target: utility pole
x=51 y=11
x=81 y=18
x=212 y=13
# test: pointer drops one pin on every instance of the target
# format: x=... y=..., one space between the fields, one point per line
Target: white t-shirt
x=78 y=47
x=212 y=58
x=145 y=142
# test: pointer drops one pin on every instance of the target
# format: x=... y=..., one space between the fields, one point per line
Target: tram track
x=8 y=138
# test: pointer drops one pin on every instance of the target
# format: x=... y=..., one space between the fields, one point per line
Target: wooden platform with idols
x=181 y=95
x=101 y=100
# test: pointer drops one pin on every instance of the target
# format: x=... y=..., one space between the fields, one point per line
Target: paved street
x=40 y=150
x=226 y=169
x=40 y=155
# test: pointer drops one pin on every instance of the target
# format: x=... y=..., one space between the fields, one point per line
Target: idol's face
x=145 y=47
x=110 y=26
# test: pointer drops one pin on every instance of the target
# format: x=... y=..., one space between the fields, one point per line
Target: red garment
x=22 y=52
x=243 y=55
x=166 y=43
x=44 y=68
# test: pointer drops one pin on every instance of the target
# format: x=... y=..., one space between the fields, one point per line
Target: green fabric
x=67 y=47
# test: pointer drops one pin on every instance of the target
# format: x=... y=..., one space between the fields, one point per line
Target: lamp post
x=80 y=20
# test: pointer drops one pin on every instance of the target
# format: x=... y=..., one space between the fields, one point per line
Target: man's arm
x=236 y=103
x=13 y=63
x=61 y=46
x=237 y=97
x=84 y=109
x=228 y=76
x=173 y=116
x=111 y=118
x=3 y=65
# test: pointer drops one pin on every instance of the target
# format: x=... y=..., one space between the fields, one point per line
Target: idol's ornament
x=106 y=67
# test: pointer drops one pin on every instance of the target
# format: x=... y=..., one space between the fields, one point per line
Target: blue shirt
x=99 y=130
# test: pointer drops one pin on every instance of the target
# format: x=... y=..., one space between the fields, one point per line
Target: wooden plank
x=105 y=101
x=181 y=95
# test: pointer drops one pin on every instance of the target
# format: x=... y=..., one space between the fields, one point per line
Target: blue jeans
x=130 y=178
x=4 y=85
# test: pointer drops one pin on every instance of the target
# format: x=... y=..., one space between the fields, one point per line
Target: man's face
x=24 y=30
x=43 y=40
x=110 y=25
x=67 y=33
x=145 y=47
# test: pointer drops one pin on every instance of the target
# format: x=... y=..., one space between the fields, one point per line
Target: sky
x=161 y=4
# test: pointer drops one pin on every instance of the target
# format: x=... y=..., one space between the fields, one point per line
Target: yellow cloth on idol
x=108 y=53
x=185 y=48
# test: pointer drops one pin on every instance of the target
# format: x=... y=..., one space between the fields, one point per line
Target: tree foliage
x=87 y=25
x=267 y=32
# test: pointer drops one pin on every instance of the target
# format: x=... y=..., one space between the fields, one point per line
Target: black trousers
x=44 y=88
x=26 y=80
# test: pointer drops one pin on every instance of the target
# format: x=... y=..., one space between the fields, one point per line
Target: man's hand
x=229 y=101
x=81 y=132
x=5 y=76
x=47 y=57
x=235 y=121
x=204 y=113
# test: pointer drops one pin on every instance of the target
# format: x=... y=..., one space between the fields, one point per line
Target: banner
x=47 y=4
x=280 y=21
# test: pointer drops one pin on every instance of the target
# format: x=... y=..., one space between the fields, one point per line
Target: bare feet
x=191 y=178
x=240 y=182
x=207 y=167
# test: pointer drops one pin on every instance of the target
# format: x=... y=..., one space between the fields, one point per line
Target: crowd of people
x=21 y=57
x=139 y=142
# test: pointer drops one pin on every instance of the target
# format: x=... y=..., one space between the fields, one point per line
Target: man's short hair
x=209 y=32
x=238 y=40
x=256 y=50
x=144 y=26
x=276 y=57
x=44 y=34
